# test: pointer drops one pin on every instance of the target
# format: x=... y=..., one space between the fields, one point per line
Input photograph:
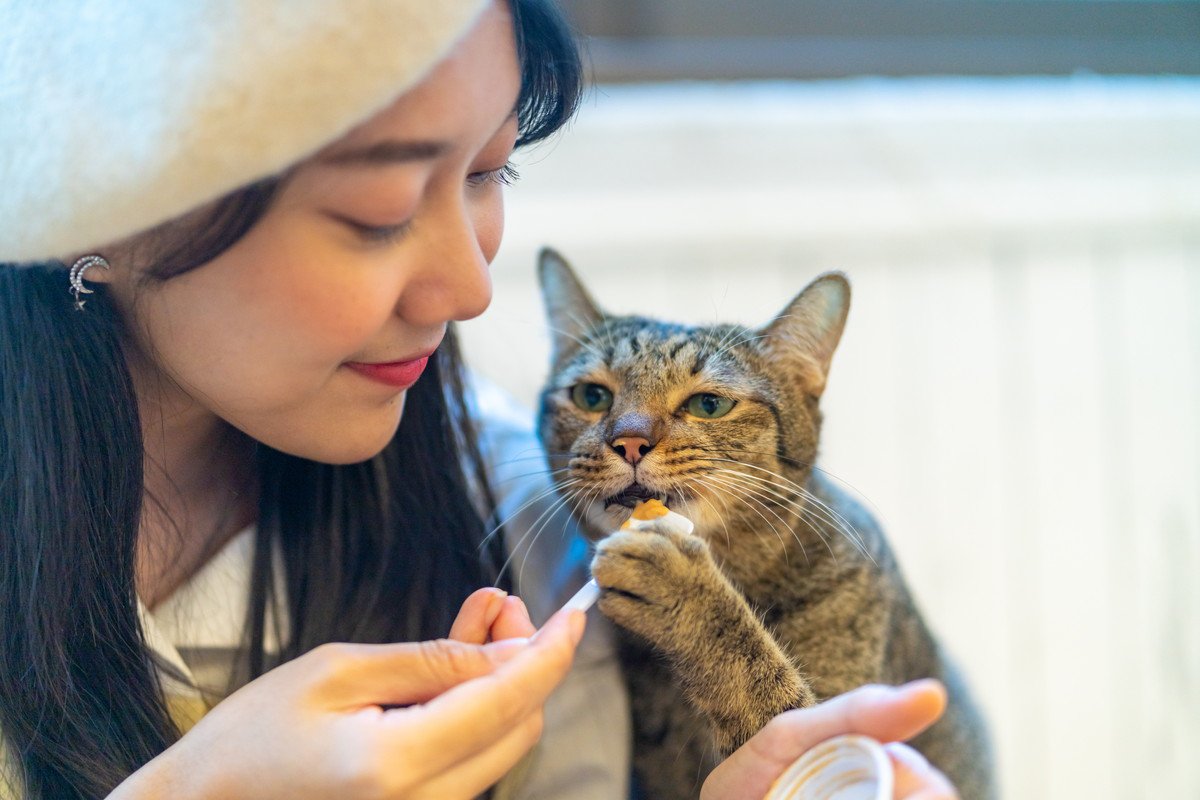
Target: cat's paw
x=652 y=583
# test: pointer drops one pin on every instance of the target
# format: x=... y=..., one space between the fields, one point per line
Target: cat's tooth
x=842 y=767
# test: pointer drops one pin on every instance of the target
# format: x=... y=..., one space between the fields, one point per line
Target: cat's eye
x=708 y=406
x=591 y=397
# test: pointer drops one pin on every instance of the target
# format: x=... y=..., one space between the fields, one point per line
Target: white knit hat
x=116 y=115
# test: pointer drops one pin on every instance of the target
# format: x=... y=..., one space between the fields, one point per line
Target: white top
x=584 y=751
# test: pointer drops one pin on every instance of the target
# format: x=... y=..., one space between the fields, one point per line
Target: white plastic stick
x=585 y=598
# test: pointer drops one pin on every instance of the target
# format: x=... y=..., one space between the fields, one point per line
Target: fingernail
x=495 y=604
x=922 y=685
x=907 y=756
x=577 y=622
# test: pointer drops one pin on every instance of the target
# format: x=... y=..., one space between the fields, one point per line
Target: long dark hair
x=384 y=550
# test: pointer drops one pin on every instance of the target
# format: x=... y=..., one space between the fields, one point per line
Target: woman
x=244 y=374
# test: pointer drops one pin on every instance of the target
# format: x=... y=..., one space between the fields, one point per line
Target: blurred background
x=1013 y=188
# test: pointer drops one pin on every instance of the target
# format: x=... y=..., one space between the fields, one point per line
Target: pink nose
x=631 y=448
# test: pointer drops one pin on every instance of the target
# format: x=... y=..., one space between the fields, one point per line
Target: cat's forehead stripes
x=647 y=347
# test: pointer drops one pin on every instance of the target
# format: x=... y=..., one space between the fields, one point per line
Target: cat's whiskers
x=516 y=547
x=548 y=472
x=798 y=463
x=536 y=498
x=533 y=455
x=803 y=515
x=752 y=494
x=806 y=510
x=840 y=522
x=824 y=511
x=753 y=502
x=820 y=510
x=535 y=529
x=717 y=514
x=774 y=499
x=591 y=495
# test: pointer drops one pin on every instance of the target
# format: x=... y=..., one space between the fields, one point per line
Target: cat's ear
x=807 y=331
x=570 y=310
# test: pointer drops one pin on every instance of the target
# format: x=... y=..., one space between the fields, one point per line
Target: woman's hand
x=320 y=726
x=881 y=712
x=490 y=615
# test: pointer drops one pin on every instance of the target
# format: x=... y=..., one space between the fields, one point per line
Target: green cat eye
x=591 y=397
x=708 y=406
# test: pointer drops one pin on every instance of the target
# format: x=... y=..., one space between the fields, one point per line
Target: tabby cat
x=787 y=592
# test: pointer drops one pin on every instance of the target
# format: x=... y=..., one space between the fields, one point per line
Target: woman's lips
x=397 y=374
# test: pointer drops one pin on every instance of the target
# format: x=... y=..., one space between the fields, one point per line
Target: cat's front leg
x=666 y=588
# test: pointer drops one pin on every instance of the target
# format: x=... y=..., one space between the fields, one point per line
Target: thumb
x=882 y=712
x=354 y=675
x=886 y=713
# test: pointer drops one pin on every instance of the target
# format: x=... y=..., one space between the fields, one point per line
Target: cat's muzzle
x=633 y=493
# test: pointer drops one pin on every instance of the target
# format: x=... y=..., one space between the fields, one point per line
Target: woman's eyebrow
x=394 y=151
x=388 y=151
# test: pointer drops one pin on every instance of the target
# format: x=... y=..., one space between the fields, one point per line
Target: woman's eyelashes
x=380 y=234
x=505 y=175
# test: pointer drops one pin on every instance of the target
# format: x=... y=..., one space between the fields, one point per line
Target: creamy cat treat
x=651 y=515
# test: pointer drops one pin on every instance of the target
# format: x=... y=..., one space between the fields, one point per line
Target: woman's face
x=369 y=249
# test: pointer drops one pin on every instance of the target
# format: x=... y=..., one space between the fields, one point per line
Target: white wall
x=1018 y=387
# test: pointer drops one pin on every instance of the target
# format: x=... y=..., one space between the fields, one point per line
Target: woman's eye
x=708 y=406
x=506 y=175
x=591 y=397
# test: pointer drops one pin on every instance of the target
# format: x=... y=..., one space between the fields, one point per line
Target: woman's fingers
x=477 y=615
x=916 y=778
x=513 y=621
x=401 y=674
x=882 y=712
x=472 y=776
x=469 y=718
x=489 y=615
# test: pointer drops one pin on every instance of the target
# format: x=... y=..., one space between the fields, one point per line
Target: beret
x=116 y=115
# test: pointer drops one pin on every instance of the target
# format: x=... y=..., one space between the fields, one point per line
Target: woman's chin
x=340 y=442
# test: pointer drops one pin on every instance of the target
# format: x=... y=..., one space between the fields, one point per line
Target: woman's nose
x=451 y=280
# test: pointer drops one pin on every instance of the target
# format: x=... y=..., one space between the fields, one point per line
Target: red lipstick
x=397 y=374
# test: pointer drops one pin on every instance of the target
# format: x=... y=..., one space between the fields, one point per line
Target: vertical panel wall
x=1018 y=391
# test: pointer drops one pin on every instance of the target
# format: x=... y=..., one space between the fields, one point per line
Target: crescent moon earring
x=77 y=269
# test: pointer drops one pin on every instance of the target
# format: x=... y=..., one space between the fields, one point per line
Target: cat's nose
x=631 y=448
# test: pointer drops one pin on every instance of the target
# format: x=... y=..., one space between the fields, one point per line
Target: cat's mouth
x=633 y=493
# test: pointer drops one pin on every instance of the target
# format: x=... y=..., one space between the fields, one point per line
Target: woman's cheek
x=489 y=226
x=330 y=307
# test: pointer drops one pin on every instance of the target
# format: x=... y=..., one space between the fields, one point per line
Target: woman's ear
x=805 y=334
